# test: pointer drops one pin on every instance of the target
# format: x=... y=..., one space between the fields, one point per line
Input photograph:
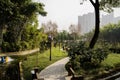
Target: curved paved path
x=20 y=53
x=56 y=71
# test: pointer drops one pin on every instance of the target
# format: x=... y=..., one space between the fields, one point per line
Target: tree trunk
x=1 y=35
x=97 y=25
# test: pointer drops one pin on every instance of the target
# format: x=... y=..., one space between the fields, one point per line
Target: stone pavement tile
x=56 y=71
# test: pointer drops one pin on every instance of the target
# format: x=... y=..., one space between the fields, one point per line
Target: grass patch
x=109 y=66
x=111 y=61
x=41 y=60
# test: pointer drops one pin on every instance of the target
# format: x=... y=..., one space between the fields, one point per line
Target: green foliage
x=24 y=45
x=111 y=63
x=11 y=71
x=107 y=5
x=5 y=46
x=20 y=16
x=10 y=47
x=64 y=37
x=29 y=40
x=43 y=45
x=85 y=56
x=31 y=37
x=110 y=33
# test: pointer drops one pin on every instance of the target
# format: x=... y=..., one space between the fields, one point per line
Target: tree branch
x=92 y=2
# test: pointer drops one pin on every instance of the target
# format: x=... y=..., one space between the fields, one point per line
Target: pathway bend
x=56 y=71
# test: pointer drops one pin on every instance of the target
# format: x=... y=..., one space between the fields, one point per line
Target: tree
x=110 y=33
x=74 y=31
x=50 y=28
x=5 y=12
x=16 y=14
x=104 y=5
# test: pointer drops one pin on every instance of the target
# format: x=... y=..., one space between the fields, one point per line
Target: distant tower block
x=86 y=22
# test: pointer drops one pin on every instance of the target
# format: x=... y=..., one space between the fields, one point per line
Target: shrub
x=43 y=46
x=67 y=67
x=10 y=47
x=5 y=46
x=10 y=71
x=87 y=58
x=24 y=45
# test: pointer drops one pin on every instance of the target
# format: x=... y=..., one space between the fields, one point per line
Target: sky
x=64 y=12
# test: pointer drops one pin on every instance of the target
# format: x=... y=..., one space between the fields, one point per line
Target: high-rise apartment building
x=86 y=22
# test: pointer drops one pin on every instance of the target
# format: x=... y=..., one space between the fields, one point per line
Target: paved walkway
x=19 y=53
x=55 y=71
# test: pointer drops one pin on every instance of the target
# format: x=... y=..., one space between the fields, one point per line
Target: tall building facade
x=86 y=22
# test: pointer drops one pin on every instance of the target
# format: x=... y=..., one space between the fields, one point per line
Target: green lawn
x=110 y=63
x=112 y=60
x=41 y=60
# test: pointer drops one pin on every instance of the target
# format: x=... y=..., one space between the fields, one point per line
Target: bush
x=5 y=46
x=10 y=47
x=24 y=45
x=87 y=58
x=43 y=46
x=10 y=71
x=67 y=67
